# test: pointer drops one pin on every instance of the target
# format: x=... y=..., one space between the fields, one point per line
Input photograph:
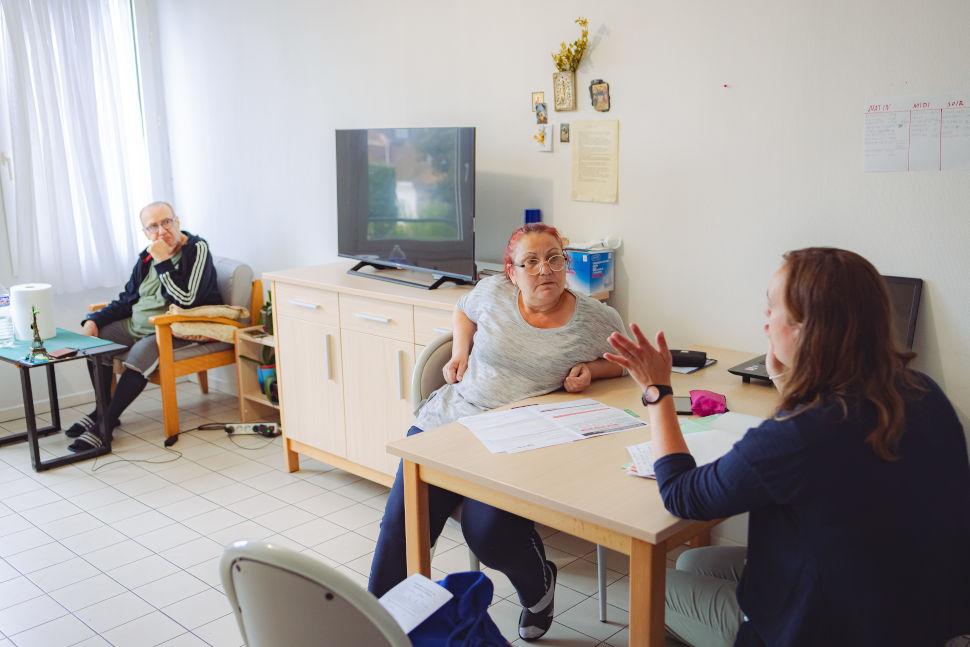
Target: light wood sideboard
x=345 y=349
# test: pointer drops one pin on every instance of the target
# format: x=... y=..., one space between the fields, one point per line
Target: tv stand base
x=355 y=270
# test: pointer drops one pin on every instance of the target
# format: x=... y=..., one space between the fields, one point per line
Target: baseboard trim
x=219 y=384
x=64 y=401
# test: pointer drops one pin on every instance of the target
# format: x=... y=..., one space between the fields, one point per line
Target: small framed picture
x=599 y=95
x=543 y=137
x=564 y=133
x=542 y=117
x=537 y=98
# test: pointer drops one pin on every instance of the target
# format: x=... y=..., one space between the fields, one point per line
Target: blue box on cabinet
x=590 y=272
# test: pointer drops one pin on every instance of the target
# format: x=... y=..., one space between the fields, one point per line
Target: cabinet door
x=311 y=385
x=377 y=382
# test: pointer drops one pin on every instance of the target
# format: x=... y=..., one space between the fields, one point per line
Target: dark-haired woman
x=858 y=486
x=531 y=336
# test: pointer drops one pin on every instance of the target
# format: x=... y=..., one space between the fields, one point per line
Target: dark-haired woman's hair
x=530 y=228
x=846 y=348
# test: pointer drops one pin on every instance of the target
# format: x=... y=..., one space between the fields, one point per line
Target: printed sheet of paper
x=588 y=418
x=517 y=430
x=595 y=172
x=917 y=134
x=706 y=445
x=535 y=426
x=412 y=601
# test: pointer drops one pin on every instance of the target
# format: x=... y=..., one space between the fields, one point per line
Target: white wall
x=715 y=183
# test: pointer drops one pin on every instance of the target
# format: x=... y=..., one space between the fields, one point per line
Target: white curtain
x=78 y=162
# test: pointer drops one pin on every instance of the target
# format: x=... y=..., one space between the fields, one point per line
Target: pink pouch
x=707 y=403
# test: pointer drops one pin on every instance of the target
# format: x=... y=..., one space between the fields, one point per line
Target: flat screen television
x=406 y=200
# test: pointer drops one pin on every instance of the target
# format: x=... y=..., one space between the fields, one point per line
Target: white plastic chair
x=282 y=597
x=425 y=379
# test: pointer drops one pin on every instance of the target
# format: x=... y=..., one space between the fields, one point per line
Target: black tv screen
x=406 y=198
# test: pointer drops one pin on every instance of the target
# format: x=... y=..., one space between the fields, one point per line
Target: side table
x=90 y=348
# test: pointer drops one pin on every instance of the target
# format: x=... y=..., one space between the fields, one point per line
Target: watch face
x=651 y=394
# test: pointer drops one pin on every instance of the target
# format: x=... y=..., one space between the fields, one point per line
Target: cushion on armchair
x=203 y=330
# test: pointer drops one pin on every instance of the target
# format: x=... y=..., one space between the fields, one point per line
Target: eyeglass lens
x=167 y=224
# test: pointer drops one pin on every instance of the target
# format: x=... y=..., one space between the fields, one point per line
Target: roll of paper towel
x=25 y=296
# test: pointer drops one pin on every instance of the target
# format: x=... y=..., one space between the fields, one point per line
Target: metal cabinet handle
x=300 y=303
x=441 y=330
x=369 y=317
x=327 y=357
x=400 y=372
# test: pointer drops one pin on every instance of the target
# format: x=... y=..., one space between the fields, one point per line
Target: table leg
x=101 y=406
x=417 y=531
x=52 y=394
x=648 y=574
x=31 y=417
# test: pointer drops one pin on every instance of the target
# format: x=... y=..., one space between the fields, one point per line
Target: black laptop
x=904 y=295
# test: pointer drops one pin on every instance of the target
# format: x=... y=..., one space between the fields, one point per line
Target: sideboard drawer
x=430 y=323
x=307 y=304
x=382 y=318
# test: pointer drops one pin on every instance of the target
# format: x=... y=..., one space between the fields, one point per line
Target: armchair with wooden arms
x=237 y=287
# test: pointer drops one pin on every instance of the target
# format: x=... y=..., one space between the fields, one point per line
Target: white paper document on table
x=535 y=426
x=412 y=601
x=705 y=446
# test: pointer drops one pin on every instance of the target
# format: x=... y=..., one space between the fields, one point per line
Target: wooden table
x=577 y=488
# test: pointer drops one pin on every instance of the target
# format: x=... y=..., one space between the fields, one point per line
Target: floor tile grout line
x=99 y=572
x=244 y=480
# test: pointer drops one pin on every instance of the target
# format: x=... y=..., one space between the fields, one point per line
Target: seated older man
x=176 y=267
x=531 y=336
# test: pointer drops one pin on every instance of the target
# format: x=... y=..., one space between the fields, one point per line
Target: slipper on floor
x=85 y=441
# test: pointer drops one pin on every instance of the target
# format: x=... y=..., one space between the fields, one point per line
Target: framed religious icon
x=599 y=95
x=537 y=98
x=542 y=116
x=564 y=133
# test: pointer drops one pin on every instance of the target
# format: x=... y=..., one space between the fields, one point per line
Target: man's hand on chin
x=160 y=250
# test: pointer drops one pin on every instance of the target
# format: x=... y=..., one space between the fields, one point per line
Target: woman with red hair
x=530 y=335
x=858 y=487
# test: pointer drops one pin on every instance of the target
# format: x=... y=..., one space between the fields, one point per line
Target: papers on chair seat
x=412 y=601
x=542 y=425
x=706 y=446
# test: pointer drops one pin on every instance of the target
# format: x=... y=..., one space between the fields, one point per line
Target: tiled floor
x=110 y=552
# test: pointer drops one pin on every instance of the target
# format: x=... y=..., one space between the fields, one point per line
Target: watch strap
x=663 y=390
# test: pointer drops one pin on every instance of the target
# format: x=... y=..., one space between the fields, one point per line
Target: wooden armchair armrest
x=94 y=307
x=168 y=320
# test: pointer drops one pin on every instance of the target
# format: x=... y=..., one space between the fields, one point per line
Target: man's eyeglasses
x=155 y=228
x=534 y=265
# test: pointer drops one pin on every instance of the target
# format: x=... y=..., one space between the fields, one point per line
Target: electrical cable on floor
x=168 y=450
x=209 y=426
x=269 y=441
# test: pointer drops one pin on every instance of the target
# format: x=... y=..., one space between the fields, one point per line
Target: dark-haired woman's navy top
x=844 y=548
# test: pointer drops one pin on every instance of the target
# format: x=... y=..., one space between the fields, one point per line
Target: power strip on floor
x=267 y=429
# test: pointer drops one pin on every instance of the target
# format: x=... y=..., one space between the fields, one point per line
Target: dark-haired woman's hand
x=647 y=364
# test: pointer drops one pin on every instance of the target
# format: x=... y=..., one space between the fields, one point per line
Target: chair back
x=235 y=280
x=427 y=376
x=237 y=287
x=282 y=597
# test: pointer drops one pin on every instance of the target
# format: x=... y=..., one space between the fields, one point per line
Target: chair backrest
x=427 y=375
x=235 y=280
x=282 y=597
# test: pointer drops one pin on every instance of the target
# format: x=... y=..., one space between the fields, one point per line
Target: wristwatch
x=655 y=393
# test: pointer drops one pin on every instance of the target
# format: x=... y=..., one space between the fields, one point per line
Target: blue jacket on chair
x=463 y=621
